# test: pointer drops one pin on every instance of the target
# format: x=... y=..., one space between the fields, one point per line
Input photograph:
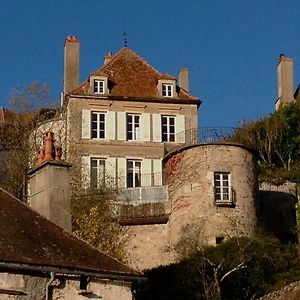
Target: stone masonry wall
x=191 y=193
x=148 y=246
x=191 y=187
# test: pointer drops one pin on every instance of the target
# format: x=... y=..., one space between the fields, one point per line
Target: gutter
x=49 y=269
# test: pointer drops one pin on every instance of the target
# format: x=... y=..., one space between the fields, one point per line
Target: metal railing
x=144 y=194
x=206 y=134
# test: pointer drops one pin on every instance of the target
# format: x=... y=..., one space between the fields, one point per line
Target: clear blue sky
x=230 y=47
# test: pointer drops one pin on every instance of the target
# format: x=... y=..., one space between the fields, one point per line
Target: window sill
x=225 y=203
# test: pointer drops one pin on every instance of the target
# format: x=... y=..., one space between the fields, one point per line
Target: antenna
x=124 y=34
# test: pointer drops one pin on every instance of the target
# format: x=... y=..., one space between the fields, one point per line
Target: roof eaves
x=135 y=276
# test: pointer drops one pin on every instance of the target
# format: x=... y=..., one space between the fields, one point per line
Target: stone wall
x=192 y=192
x=32 y=287
x=192 y=201
x=148 y=246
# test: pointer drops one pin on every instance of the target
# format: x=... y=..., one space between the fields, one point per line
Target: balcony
x=202 y=135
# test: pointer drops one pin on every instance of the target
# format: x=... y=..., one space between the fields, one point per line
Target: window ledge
x=225 y=203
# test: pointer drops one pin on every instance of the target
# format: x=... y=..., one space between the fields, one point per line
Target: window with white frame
x=98 y=125
x=133 y=127
x=99 y=86
x=97 y=172
x=167 y=90
x=168 y=128
x=222 y=187
x=133 y=171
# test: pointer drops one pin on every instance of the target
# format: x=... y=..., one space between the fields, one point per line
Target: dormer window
x=167 y=90
x=99 y=86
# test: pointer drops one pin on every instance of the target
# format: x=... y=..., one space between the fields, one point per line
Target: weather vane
x=125 y=38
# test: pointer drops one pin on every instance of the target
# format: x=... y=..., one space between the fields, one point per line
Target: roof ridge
x=118 y=54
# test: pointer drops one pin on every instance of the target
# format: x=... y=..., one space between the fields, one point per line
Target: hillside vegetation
x=277 y=139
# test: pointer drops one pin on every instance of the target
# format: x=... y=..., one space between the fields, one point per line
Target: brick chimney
x=285 y=81
x=71 y=63
x=183 y=79
x=49 y=185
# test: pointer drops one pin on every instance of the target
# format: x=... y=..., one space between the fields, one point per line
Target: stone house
x=40 y=260
x=129 y=125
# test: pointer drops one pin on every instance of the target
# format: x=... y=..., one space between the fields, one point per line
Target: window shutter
x=86 y=124
x=110 y=171
x=156 y=125
x=145 y=127
x=85 y=173
x=110 y=125
x=121 y=126
x=180 y=129
x=146 y=173
x=157 y=171
x=121 y=172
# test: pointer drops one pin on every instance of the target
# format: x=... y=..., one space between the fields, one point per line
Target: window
x=133 y=173
x=167 y=90
x=97 y=172
x=168 y=128
x=98 y=125
x=219 y=239
x=99 y=86
x=133 y=127
x=222 y=188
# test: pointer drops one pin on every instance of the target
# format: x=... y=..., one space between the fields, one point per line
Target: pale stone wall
x=96 y=289
x=191 y=189
x=148 y=246
x=63 y=288
x=287 y=187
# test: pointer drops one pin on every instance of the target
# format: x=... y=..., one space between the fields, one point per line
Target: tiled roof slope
x=131 y=76
x=27 y=238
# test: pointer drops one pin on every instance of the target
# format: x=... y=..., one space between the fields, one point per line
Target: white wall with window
x=168 y=128
x=133 y=127
x=122 y=126
x=123 y=172
x=98 y=124
x=97 y=171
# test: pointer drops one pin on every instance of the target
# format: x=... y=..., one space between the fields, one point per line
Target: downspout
x=52 y=275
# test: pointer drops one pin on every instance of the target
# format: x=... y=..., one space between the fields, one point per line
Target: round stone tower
x=212 y=189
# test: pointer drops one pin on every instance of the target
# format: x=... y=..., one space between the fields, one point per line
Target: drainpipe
x=52 y=275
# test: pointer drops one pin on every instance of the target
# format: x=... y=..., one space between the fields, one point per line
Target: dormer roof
x=130 y=75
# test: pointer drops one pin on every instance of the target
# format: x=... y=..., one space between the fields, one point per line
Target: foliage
x=239 y=268
x=94 y=219
x=277 y=139
x=14 y=135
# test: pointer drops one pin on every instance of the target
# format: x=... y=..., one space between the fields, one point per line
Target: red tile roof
x=28 y=239
x=130 y=75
